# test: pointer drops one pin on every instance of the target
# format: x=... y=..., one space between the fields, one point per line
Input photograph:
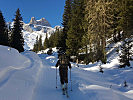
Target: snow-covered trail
x=46 y=88
x=86 y=85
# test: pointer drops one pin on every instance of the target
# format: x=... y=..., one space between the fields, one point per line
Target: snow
x=18 y=74
x=31 y=76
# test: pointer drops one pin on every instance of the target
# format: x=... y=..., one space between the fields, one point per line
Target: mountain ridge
x=42 y=22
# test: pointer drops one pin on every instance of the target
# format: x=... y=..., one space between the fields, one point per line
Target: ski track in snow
x=6 y=73
x=37 y=74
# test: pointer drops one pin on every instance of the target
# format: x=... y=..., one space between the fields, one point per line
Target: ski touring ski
x=65 y=92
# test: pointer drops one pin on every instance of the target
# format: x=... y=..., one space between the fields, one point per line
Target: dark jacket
x=63 y=65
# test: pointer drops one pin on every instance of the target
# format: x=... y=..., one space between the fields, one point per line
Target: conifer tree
x=99 y=18
x=66 y=18
x=40 y=47
x=17 y=40
x=116 y=32
x=3 y=31
x=60 y=35
x=51 y=40
x=125 y=22
x=36 y=45
x=57 y=37
x=55 y=40
x=46 y=42
x=126 y=53
x=103 y=9
x=76 y=31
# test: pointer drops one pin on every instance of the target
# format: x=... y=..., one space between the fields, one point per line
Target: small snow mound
x=130 y=92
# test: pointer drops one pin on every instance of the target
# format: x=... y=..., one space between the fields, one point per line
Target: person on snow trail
x=63 y=64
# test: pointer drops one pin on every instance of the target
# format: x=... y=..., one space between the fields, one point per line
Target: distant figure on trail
x=63 y=64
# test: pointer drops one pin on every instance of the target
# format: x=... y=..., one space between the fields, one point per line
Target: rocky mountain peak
x=33 y=20
x=42 y=22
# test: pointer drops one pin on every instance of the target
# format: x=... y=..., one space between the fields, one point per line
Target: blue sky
x=51 y=10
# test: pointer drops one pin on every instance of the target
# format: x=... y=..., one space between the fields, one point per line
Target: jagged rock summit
x=38 y=25
x=42 y=22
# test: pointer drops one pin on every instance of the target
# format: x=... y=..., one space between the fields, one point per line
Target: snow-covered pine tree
x=125 y=84
x=101 y=69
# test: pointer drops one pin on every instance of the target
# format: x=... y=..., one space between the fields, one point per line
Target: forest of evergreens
x=89 y=24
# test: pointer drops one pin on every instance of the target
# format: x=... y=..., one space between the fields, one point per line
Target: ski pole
x=56 y=77
x=70 y=80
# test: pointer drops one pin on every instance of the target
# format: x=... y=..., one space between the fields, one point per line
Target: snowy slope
x=27 y=76
x=18 y=74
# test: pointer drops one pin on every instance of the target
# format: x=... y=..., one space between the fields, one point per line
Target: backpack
x=63 y=59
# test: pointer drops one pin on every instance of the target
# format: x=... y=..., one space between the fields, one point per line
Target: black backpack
x=63 y=59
